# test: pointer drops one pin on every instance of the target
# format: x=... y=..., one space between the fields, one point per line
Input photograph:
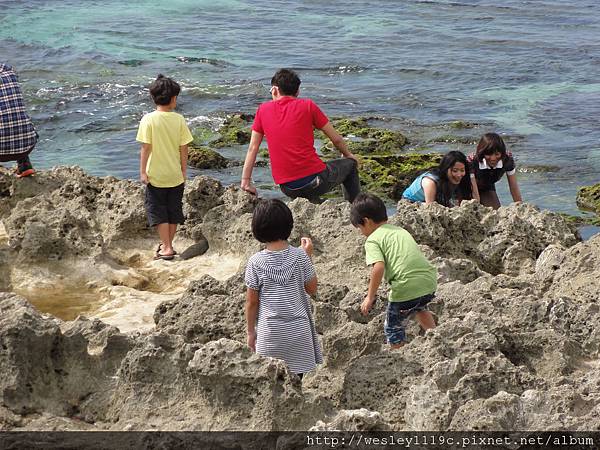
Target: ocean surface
x=528 y=69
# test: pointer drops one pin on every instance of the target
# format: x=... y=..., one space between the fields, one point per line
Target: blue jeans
x=342 y=171
x=397 y=315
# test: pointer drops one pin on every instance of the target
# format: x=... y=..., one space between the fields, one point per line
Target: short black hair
x=287 y=81
x=272 y=221
x=367 y=206
x=163 y=89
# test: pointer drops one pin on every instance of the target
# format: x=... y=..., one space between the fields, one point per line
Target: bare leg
x=489 y=198
x=425 y=319
x=164 y=233
x=395 y=346
x=172 y=230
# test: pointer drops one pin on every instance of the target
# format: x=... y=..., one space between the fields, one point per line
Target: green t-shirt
x=166 y=132
x=407 y=270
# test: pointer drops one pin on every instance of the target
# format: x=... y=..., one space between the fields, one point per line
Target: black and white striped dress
x=285 y=327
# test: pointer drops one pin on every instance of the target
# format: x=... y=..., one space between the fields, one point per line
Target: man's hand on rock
x=351 y=155
x=247 y=186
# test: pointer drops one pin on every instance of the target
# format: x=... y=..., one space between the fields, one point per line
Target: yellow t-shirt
x=166 y=132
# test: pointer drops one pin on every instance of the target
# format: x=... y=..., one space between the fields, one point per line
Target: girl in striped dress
x=279 y=280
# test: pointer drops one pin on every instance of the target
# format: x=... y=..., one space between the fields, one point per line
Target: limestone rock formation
x=516 y=346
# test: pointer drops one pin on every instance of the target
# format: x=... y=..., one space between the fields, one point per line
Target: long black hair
x=445 y=189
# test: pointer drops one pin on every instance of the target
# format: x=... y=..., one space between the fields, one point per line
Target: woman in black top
x=488 y=164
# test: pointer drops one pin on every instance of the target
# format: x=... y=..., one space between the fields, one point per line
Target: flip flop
x=160 y=246
x=163 y=257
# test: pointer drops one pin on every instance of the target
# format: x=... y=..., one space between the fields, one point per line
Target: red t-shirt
x=288 y=125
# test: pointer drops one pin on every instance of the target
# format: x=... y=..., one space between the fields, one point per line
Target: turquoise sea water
x=525 y=68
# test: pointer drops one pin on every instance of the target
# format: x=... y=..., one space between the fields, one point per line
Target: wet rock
x=235 y=131
x=392 y=174
x=206 y=158
x=194 y=250
x=588 y=197
x=363 y=139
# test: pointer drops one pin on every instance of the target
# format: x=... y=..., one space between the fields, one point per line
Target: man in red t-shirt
x=288 y=123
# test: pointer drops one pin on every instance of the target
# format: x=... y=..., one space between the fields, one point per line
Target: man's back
x=288 y=125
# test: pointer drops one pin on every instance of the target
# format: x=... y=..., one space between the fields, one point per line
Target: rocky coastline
x=516 y=347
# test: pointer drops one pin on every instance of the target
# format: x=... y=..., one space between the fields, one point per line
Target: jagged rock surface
x=516 y=346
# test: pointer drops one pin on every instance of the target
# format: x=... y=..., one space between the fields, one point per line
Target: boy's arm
x=246 y=182
x=251 y=316
x=144 y=155
x=376 y=276
x=183 y=154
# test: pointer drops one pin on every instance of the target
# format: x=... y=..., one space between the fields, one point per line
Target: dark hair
x=287 y=81
x=445 y=189
x=163 y=89
x=489 y=144
x=367 y=206
x=272 y=221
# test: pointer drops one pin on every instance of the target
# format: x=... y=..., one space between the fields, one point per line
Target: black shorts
x=164 y=205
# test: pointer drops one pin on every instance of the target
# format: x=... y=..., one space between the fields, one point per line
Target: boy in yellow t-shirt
x=163 y=163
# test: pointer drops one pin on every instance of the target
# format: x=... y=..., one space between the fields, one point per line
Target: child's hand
x=144 y=178
x=307 y=245
x=251 y=340
x=366 y=305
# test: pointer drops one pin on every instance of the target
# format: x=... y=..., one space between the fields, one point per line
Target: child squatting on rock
x=490 y=161
x=279 y=280
x=393 y=253
x=163 y=163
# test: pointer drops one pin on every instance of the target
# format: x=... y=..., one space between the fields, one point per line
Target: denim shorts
x=397 y=315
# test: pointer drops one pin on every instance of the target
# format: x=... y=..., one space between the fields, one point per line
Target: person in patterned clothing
x=17 y=134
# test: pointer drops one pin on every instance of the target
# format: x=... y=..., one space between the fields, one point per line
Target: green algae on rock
x=588 y=198
x=365 y=139
x=206 y=158
x=461 y=125
x=391 y=174
x=235 y=131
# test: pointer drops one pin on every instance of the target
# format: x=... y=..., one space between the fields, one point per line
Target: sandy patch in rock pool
x=122 y=289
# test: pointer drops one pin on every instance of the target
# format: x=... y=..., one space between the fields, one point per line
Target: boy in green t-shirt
x=393 y=252
x=163 y=163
